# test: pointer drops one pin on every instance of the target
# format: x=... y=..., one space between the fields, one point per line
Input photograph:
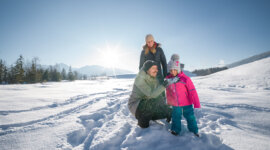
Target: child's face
x=173 y=72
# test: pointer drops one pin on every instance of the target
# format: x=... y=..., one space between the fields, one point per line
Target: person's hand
x=170 y=81
x=173 y=80
x=165 y=83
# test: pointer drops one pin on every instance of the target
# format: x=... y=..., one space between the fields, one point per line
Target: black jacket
x=158 y=57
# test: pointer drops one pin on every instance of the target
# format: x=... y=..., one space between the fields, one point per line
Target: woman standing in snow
x=182 y=96
x=153 y=51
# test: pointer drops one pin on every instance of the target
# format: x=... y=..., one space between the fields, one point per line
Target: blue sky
x=80 y=33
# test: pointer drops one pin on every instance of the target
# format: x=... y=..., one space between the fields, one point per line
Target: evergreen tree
x=32 y=71
x=38 y=71
x=19 y=71
x=45 y=76
x=55 y=75
x=64 y=74
x=5 y=75
x=58 y=76
x=39 y=74
x=1 y=71
x=76 y=75
x=71 y=76
x=12 y=75
x=50 y=73
x=84 y=77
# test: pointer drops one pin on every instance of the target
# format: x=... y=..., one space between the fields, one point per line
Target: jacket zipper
x=176 y=94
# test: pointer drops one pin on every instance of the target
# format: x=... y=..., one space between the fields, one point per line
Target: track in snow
x=24 y=126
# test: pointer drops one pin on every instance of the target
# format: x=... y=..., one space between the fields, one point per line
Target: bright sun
x=110 y=56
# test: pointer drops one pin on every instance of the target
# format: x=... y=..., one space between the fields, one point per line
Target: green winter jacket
x=145 y=87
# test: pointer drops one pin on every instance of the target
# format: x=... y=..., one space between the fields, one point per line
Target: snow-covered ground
x=235 y=114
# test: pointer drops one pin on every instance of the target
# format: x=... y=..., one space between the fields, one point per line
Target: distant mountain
x=92 y=70
x=249 y=60
x=99 y=70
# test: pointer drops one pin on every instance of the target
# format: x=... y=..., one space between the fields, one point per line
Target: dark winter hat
x=174 y=63
x=148 y=64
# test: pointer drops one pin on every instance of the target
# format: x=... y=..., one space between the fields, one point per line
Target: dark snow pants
x=152 y=109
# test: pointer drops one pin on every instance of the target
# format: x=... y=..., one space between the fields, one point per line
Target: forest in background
x=32 y=72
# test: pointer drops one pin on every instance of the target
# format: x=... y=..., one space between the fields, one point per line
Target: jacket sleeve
x=142 y=59
x=192 y=93
x=147 y=90
x=164 y=63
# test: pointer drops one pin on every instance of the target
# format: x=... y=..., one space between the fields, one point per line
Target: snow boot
x=197 y=134
x=173 y=133
x=168 y=119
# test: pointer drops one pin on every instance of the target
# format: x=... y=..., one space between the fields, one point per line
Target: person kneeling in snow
x=146 y=101
x=181 y=95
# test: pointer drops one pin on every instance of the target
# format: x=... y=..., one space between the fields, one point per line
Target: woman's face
x=153 y=71
x=173 y=72
x=150 y=43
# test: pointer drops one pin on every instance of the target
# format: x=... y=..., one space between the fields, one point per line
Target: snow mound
x=255 y=75
x=250 y=59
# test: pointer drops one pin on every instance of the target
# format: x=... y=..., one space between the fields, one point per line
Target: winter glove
x=170 y=81
x=173 y=80
x=165 y=83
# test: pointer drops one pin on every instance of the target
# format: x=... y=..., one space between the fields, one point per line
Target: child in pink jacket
x=182 y=96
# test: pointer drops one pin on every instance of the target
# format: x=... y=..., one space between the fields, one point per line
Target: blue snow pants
x=188 y=113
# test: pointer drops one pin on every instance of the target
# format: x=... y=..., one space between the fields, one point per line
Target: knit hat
x=148 y=64
x=149 y=37
x=174 y=63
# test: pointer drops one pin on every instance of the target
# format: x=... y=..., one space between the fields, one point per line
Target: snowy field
x=235 y=114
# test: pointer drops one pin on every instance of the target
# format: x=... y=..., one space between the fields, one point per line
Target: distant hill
x=254 y=75
x=92 y=70
x=133 y=75
x=249 y=60
x=96 y=70
x=208 y=71
x=99 y=70
x=204 y=72
x=190 y=74
x=124 y=76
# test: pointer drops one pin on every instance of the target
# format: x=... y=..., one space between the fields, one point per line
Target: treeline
x=21 y=72
x=204 y=72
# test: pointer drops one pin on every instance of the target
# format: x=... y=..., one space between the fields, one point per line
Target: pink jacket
x=182 y=93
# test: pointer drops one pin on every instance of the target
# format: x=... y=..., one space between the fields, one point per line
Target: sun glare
x=110 y=55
